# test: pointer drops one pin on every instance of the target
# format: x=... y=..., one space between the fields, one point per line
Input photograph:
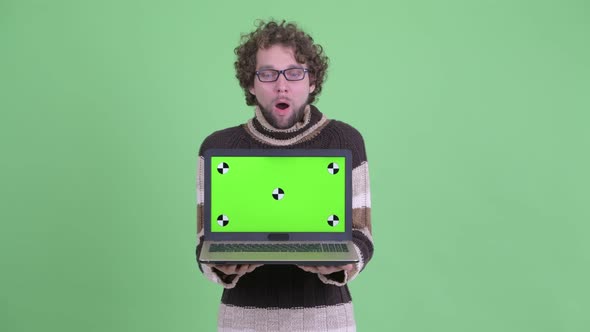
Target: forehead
x=276 y=56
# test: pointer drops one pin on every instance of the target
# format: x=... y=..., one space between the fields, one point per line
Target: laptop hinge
x=278 y=237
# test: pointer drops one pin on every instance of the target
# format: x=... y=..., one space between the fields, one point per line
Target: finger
x=252 y=267
x=245 y=268
x=348 y=267
x=227 y=269
x=326 y=269
x=306 y=268
x=332 y=269
x=241 y=269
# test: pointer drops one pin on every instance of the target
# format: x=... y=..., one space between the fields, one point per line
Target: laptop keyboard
x=278 y=247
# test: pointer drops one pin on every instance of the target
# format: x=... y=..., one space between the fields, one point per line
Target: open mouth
x=282 y=106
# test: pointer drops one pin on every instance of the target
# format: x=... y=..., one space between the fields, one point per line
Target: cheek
x=261 y=93
x=255 y=89
x=304 y=91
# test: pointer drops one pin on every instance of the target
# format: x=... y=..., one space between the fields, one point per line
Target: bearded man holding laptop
x=282 y=71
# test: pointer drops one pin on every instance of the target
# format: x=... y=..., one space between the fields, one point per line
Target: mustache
x=281 y=99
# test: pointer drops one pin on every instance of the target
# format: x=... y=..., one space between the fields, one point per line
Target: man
x=282 y=71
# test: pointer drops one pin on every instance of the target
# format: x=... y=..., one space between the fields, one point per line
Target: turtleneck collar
x=267 y=126
x=309 y=126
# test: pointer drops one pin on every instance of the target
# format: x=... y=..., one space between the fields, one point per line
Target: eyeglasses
x=291 y=74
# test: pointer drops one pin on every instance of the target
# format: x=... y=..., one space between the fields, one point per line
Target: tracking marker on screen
x=222 y=220
x=333 y=220
x=223 y=168
x=333 y=168
x=278 y=194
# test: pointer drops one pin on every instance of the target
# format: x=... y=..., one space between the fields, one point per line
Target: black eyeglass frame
x=279 y=72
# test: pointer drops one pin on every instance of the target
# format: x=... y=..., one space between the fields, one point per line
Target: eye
x=294 y=73
x=267 y=74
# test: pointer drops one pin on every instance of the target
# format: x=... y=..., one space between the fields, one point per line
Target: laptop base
x=323 y=258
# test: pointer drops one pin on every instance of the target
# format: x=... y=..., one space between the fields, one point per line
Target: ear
x=252 y=90
x=311 y=88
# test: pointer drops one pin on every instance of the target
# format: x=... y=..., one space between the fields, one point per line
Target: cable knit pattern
x=284 y=297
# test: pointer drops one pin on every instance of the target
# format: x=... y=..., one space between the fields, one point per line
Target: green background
x=244 y=194
x=475 y=116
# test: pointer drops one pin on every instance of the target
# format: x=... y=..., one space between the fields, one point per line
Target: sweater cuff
x=213 y=274
x=339 y=278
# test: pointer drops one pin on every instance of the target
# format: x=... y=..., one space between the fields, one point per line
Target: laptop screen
x=277 y=194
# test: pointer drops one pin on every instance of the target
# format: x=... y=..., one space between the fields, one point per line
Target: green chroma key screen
x=278 y=194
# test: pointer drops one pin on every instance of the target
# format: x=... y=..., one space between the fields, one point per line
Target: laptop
x=278 y=206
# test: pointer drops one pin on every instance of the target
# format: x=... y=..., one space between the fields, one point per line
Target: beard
x=296 y=116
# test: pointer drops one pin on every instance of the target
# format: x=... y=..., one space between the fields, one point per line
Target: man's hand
x=325 y=269
x=238 y=269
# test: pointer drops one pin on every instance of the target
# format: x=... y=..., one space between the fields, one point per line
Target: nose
x=281 y=84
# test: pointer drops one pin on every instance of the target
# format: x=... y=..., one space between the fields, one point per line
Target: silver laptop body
x=278 y=206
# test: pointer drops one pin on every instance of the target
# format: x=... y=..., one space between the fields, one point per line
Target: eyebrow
x=273 y=67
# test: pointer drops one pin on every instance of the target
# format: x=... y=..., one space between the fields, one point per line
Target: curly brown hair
x=272 y=33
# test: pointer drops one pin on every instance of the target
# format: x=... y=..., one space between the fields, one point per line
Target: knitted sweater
x=284 y=297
